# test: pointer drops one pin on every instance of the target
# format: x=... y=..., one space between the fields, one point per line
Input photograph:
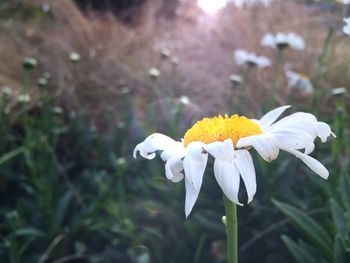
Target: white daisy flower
x=251 y=59
x=228 y=139
x=240 y=3
x=345 y=2
x=346 y=28
x=299 y=82
x=281 y=40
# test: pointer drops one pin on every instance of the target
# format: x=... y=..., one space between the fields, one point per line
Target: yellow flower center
x=221 y=128
x=303 y=76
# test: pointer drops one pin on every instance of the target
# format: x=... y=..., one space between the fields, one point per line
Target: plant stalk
x=231 y=230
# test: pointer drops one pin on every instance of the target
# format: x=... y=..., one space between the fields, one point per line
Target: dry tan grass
x=114 y=55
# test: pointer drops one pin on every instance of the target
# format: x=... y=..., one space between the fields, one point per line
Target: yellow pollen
x=303 y=76
x=221 y=128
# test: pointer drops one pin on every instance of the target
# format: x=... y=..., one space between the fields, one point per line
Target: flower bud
x=42 y=82
x=74 y=57
x=165 y=53
x=23 y=98
x=184 y=100
x=154 y=73
x=338 y=91
x=29 y=63
x=235 y=79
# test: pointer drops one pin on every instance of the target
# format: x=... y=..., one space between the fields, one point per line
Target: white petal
x=155 y=142
x=173 y=168
x=298 y=119
x=309 y=148
x=297 y=139
x=312 y=163
x=191 y=196
x=194 y=163
x=265 y=144
x=227 y=176
x=158 y=141
x=221 y=150
x=323 y=130
x=143 y=152
x=245 y=166
x=271 y=116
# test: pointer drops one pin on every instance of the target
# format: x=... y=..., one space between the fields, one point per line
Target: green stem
x=278 y=73
x=231 y=230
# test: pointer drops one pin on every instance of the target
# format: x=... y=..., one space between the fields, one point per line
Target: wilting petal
x=173 y=168
x=292 y=139
x=312 y=163
x=143 y=152
x=309 y=148
x=221 y=150
x=245 y=166
x=323 y=130
x=265 y=144
x=191 y=196
x=227 y=176
x=155 y=142
x=271 y=116
x=194 y=164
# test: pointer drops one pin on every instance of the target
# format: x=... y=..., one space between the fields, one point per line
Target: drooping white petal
x=294 y=139
x=245 y=165
x=323 y=130
x=295 y=120
x=173 y=168
x=312 y=163
x=143 y=152
x=191 y=196
x=265 y=144
x=155 y=142
x=271 y=116
x=227 y=176
x=309 y=148
x=194 y=163
x=221 y=150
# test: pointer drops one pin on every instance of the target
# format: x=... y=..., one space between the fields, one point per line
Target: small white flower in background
x=154 y=73
x=6 y=91
x=165 y=53
x=57 y=110
x=281 y=40
x=240 y=3
x=174 y=61
x=24 y=98
x=228 y=140
x=236 y=79
x=345 y=2
x=184 y=100
x=339 y=91
x=45 y=7
x=299 y=82
x=74 y=57
x=346 y=28
x=251 y=59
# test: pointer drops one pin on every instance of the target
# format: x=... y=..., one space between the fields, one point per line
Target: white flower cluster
x=281 y=40
x=243 y=57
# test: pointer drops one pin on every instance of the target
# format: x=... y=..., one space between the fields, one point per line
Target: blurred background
x=82 y=82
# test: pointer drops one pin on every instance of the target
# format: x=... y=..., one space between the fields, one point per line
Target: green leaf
x=298 y=252
x=339 y=219
x=63 y=206
x=309 y=226
x=29 y=231
x=340 y=255
x=7 y=156
x=344 y=187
